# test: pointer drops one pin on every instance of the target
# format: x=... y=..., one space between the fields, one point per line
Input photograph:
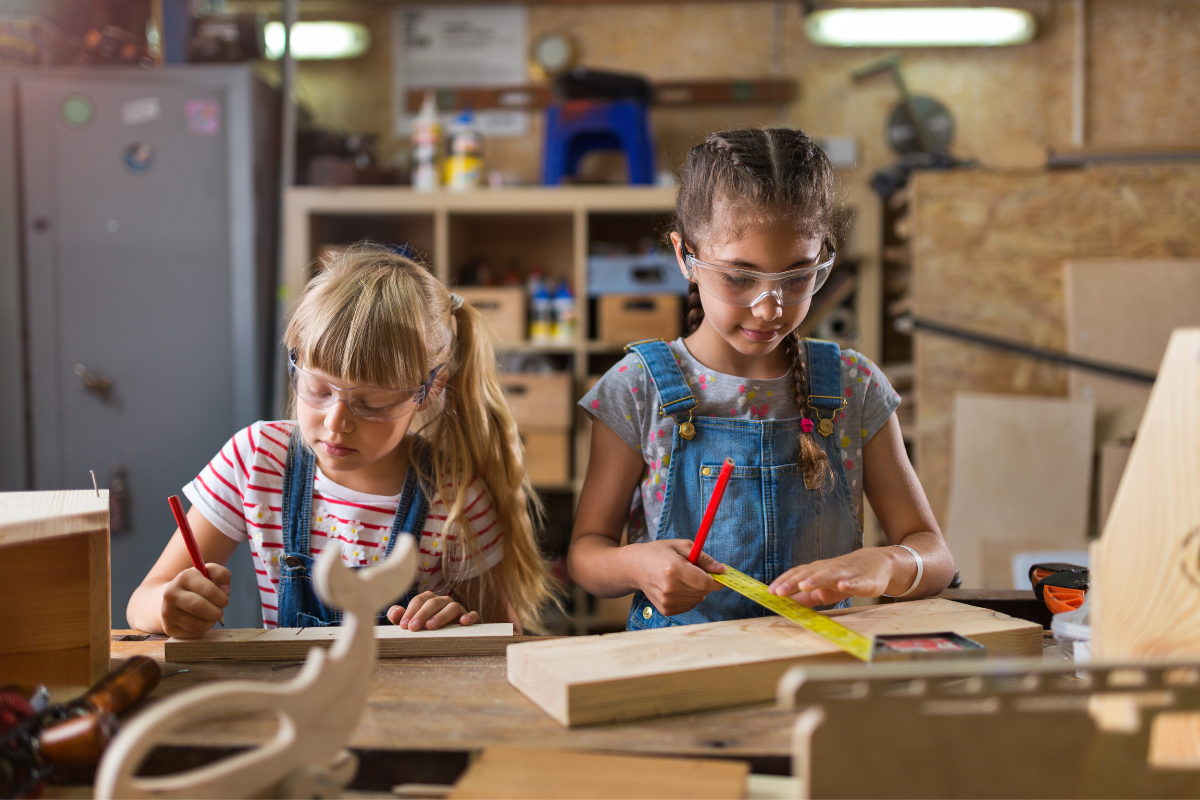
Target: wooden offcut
x=54 y=587
x=1145 y=591
x=644 y=674
x=1021 y=482
x=1123 y=310
x=523 y=773
x=293 y=644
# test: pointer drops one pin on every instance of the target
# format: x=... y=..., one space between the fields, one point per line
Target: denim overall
x=769 y=521
x=299 y=606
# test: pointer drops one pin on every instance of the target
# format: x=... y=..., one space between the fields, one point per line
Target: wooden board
x=54 y=587
x=517 y=773
x=1146 y=567
x=288 y=644
x=1021 y=481
x=1123 y=311
x=988 y=251
x=36 y=516
x=644 y=674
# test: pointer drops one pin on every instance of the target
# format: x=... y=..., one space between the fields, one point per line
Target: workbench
x=425 y=716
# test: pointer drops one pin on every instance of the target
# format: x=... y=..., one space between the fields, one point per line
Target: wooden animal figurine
x=317 y=710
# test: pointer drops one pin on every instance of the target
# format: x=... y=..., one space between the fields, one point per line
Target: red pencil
x=189 y=538
x=714 y=503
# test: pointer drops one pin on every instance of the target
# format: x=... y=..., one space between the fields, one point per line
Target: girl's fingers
x=395 y=615
x=414 y=606
x=447 y=615
x=470 y=618
x=428 y=609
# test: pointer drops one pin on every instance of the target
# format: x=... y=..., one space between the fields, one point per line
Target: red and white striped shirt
x=241 y=492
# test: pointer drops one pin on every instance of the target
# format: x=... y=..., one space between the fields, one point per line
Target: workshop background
x=144 y=281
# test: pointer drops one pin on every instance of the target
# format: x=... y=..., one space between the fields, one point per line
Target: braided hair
x=735 y=181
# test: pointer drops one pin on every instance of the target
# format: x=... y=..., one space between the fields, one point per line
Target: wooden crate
x=502 y=306
x=626 y=318
x=539 y=402
x=54 y=588
x=548 y=457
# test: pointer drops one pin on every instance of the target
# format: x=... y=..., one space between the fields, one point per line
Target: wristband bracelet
x=920 y=571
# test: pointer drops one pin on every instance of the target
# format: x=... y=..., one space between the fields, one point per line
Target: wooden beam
x=533 y=96
x=293 y=644
x=644 y=674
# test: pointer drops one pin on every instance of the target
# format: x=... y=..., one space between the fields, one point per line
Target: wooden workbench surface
x=461 y=704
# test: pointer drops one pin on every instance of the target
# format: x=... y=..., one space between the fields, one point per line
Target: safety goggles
x=374 y=405
x=747 y=288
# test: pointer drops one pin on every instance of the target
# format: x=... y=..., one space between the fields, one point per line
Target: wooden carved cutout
x=317 y=710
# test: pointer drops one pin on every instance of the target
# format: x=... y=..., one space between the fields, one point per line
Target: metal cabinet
x=147 y=231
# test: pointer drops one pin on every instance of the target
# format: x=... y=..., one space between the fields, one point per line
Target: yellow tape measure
x=853 y=643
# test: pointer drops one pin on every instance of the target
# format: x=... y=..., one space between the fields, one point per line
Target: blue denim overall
x=299 y=606
x=769 y=521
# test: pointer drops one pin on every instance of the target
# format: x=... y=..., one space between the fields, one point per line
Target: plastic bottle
x=541 y=316
x=565 y=317
x=426 y=146
x=464 y=146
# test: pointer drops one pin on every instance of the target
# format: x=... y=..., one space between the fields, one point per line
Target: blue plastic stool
x=576 y=127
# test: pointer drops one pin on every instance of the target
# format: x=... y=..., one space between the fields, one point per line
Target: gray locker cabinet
x=14 y=457
x=142 y=269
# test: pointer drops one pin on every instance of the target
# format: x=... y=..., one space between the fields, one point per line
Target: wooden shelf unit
x=549 y=226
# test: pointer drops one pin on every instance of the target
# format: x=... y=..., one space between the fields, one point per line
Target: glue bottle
x=564 y=315
x=541 y=316
x=426 y=145
x=464 y=166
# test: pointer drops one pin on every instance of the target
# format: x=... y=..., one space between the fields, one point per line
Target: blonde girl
x=400 y=428
x=810 y=426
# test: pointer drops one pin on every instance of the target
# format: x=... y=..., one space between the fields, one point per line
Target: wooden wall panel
x=988 y=250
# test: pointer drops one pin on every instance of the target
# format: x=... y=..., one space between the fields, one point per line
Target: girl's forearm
x=144 y=611
x=937 y=565
x=601 y=566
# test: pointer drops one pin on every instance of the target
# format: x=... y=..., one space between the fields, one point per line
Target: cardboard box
x=502 y=306
x=539 y=401
x=54 y=588
x=547 y=457
x=627 y=318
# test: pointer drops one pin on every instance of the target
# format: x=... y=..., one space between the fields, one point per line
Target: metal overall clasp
x=825 y=425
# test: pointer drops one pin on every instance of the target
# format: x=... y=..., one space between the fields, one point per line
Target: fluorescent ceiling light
x=319 y=40
x=920 y=27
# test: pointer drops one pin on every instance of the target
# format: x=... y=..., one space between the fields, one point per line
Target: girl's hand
x=191 y=603
x=429 y=611
x=671 y=582
x=863 y=573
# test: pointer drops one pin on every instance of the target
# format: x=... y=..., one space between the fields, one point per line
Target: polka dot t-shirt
x=626 y=400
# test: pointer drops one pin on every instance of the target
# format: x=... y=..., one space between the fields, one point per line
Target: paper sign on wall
x=444 y=46
x=136 y=112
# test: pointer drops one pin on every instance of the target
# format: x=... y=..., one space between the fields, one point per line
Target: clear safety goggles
x=747 y=288
x=364 y=402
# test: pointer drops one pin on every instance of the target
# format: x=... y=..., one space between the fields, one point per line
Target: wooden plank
x=988 y=249
x=1146 y=567
x=60 y=668
x=518 y=773
x=32 y=516
x=286 y=644
x=644 y=674
x=1123 y=310
x=46 y=596
x=1021 y=481
x=99 y=603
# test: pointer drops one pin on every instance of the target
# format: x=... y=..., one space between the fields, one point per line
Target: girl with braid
x=809 y=426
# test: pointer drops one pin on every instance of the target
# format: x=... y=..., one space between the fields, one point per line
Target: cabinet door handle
x=99 y=385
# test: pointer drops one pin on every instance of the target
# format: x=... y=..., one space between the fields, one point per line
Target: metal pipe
x=909 y=323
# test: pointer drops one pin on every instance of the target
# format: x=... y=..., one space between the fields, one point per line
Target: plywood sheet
x=643 y=674
x=1123 y=310
x=522 y=773
x=1021 y=481
x=988 y=250
x=1146 y=566
x=285 y=644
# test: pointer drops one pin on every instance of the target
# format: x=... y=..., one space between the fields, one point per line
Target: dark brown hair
x=735 y=181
